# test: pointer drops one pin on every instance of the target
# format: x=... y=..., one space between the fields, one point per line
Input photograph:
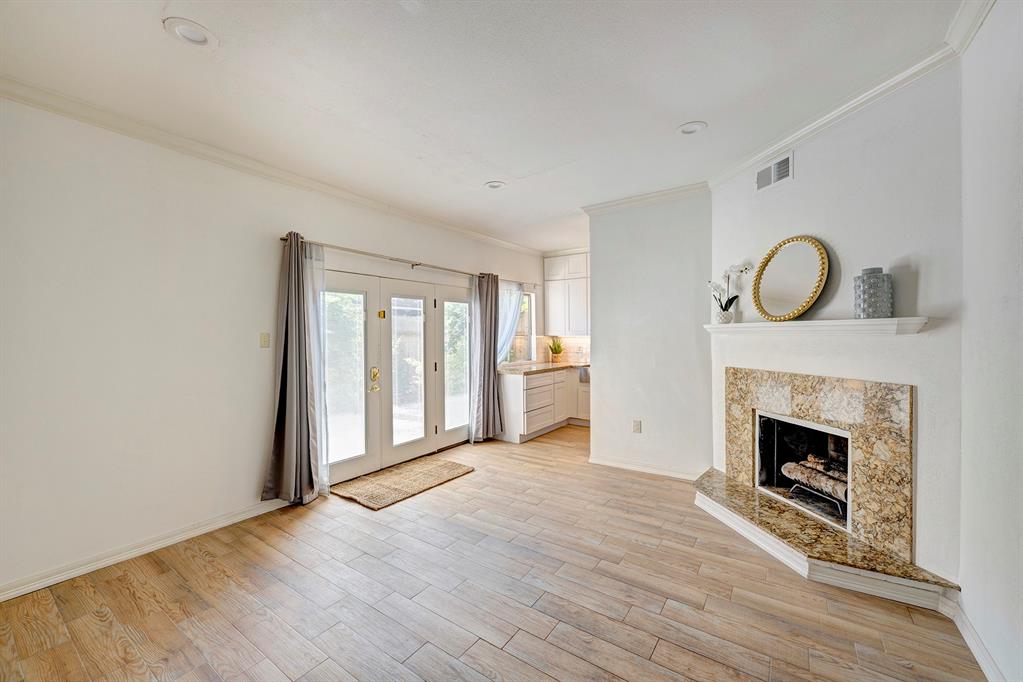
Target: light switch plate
x=637 y=426
x=264 y=339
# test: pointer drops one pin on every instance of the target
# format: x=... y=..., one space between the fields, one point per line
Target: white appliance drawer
x=534 y=380
x=536 y=398
x=538 y=419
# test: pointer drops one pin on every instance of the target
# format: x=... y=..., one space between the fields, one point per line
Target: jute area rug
x=394 y=484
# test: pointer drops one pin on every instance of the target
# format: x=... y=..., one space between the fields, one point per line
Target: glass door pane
x=456 y=364
x=408 y=351
x=345 y=374
x=352 y=358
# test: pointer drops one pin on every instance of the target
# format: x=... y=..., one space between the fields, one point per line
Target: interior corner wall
x=135 y=401
x=991 y=573
x=650 y=355
x=879 y=188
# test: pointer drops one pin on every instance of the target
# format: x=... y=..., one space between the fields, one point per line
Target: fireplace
x=806 y=465
x=819 y=473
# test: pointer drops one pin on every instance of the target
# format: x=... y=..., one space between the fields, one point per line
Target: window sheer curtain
x=509 y=308
x=298 y=470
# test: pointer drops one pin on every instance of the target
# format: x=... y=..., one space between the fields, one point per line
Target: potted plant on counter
x=556 y=348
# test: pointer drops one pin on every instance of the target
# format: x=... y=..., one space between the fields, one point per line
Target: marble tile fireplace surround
x=861 y=434
x=879 y=419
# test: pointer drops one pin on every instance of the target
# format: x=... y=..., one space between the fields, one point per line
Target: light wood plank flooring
x=536 y=566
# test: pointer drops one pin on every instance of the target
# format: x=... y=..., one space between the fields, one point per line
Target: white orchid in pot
x=723 y=296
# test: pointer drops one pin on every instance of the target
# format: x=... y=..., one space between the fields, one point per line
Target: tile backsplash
x=577 y=348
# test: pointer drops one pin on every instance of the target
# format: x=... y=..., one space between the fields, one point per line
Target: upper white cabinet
x=567 y=295
x=556 y=299
x=577 y=263
x=578 y=310
x=555 y=268
x=566 y=267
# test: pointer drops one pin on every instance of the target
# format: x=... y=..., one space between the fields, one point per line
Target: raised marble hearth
x=815 y=549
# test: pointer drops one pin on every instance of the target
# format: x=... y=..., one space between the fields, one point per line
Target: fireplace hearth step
x=816 y=550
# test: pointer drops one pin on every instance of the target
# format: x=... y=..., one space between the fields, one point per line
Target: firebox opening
x=805 y=464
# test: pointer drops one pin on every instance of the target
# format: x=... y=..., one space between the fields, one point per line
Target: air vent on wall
x=776 y=172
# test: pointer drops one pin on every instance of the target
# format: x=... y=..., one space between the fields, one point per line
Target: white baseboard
x=74 y=569
x=646 y=469
x=950 y=606
x=916 y=593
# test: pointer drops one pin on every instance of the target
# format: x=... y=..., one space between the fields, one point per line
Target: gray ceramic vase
x=874 y=294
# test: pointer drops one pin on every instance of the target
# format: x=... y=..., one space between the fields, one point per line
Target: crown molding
x=900 y=80
x=69 y=107
x=566 y=252
x=967 y=21
x=649 y=198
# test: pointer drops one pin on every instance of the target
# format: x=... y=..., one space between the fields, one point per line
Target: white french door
x=352 y=361
x=408 y=413
x=452 y=368
x=396 y=371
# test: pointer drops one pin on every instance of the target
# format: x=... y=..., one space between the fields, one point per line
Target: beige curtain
x=298 y=471
x=485 y=420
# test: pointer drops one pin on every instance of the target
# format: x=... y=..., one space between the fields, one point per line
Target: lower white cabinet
x=534 y=403
x=584 y=401
x=561 y=409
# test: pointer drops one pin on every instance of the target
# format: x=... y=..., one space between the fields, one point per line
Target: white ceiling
x=416 y=103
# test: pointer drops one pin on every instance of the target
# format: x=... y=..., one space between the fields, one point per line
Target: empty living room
x=511 y=340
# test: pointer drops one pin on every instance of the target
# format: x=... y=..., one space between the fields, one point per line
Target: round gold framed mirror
x=790 y=278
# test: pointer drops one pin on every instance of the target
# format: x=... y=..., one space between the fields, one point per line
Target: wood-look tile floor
x=536 y=566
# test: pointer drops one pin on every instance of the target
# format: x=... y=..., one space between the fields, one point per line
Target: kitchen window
x=523 y=345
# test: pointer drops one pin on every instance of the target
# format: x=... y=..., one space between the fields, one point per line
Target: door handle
x=374 y=376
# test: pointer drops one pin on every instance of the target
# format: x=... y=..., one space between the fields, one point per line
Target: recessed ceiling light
x=495 y=184
x=691 y=127
x=187 y=31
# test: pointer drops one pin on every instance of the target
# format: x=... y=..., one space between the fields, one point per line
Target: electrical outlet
x=264 y=339
x=637 y=426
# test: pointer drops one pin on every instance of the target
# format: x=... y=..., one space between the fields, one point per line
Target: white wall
x=991 y=568
x=649 y=353
x=882 y=188
x=134 y=284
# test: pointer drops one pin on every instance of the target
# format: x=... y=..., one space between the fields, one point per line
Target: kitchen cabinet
x=556 y=307
x=566 y=267
x=534 y=404
x=578 y=310
x=584 y=402
x=562 y=409
x=567 y=295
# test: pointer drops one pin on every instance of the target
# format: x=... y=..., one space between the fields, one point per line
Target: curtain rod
x=413 y=264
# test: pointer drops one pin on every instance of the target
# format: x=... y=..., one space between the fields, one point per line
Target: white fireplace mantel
x=888 y=326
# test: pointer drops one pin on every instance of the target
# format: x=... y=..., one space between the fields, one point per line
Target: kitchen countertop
x=538 y=367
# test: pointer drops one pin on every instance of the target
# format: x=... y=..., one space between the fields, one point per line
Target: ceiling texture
x=417 y=103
